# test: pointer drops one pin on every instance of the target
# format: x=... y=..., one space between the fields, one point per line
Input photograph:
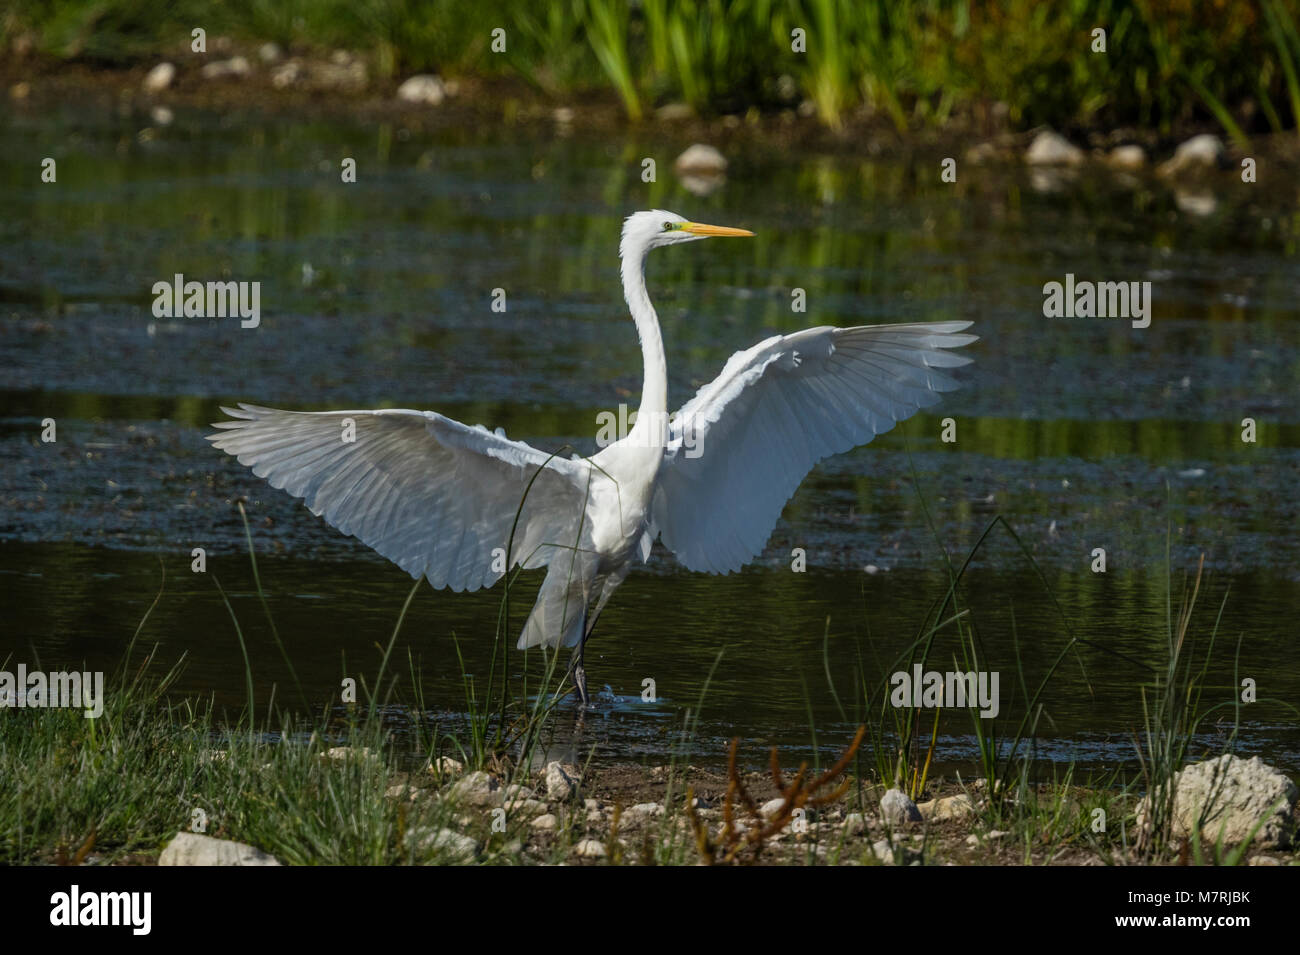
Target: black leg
x=576 y=669
x=579 y=674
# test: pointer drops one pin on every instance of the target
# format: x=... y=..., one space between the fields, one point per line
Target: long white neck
x=653 y=413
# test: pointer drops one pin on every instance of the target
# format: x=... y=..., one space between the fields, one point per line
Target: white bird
x=445 y=501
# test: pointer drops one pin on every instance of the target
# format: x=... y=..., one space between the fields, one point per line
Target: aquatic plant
x=743 y=842
x=915 y=61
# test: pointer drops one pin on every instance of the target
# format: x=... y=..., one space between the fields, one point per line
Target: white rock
x=546 y=823
x=950 y=807
x=515 y=794
x=286 y=74
x=1198 y=154
x=335 y=76
x=641 y=813
x=981 y=153
x=529 y=808
x=1131 y=156
x=445 y=841
x=422 y=88
x=770 y=808
x=738 y=826
x=896 y=808
x=1239 y=793
x=476 y=789
x=402 y=791
x=590 y=849
x=161 y=116
x=342 y=753
x=445 y=766
x=855 y=824
x=1052 y=149
x=561 y=781
x=159 y=78
x=1049 y=180
x=236 y=66
x=269 y=53
x=701 y=159
x=1197 y=202
x=674 y=112
x=191 y=848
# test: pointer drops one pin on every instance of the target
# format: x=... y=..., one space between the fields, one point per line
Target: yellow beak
x=699 y=228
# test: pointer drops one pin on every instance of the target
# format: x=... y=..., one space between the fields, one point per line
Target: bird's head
x=643 y=231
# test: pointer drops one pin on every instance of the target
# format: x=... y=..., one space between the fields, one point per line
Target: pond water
x=1082 y=433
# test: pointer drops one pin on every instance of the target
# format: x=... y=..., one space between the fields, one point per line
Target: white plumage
x=775 y=411
x=440 y=498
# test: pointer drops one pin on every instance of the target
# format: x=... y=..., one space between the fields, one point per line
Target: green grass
x=917 y=62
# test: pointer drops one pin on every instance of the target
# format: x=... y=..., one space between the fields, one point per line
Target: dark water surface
x=1082 y=433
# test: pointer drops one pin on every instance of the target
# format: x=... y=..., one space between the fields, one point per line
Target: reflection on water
x=1083 y=433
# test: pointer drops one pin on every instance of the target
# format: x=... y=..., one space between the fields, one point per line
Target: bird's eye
x=668 y=227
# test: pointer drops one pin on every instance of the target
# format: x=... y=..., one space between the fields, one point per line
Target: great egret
x=444 y=500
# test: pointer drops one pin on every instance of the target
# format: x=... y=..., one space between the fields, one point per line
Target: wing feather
x=432 y=495
x=775 y=411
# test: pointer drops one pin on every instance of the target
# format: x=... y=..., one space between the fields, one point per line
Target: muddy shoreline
x=981 y=134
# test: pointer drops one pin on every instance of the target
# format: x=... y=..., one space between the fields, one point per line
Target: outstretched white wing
x=432 y=495
x=742 y=445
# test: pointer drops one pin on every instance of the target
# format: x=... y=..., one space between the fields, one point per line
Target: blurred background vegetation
x=1168 y=63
